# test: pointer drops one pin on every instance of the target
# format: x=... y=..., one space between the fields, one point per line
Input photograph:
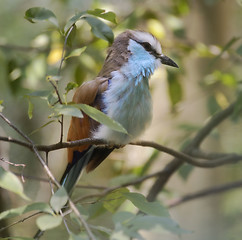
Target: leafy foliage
x=10 y=182
x=69 y=54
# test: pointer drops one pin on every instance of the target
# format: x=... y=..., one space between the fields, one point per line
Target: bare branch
x=204 y=193
x=22 y=165
x=176 y=163
x=49 y=173
x=19 y=221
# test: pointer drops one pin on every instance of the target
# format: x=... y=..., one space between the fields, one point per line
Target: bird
x=121 y=91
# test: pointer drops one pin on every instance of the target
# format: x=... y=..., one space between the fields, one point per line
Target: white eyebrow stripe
x=147 y=37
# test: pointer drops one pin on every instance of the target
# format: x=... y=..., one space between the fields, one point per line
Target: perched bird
x=121 y=90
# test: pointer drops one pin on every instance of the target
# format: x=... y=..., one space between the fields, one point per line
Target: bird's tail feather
x=92 y=157
x=74 y=169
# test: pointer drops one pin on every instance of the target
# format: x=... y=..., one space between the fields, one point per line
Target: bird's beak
x=167 y=61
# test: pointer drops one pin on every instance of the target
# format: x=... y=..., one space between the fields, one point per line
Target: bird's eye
x=147 y=46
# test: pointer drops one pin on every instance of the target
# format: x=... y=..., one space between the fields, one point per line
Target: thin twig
x=50 y=175
x=176 y=163
x=111 y=189
x=64 y=49
x=182 y=156
x=19 y=221
x=84 y=223
x=16 y=165
x=204 y=193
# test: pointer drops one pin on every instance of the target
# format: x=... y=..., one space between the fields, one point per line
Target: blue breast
x=127 y=99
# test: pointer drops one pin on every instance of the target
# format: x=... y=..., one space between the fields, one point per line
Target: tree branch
x=50 y=175
x=176 y=163
x=204 y=193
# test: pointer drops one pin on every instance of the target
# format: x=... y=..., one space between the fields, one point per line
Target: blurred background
x=202 y=36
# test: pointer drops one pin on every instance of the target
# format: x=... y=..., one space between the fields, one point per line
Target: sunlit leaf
x=30 y=109
x=69 y=110
x=151 y=208
x=101 y=117
x=14 y=212
x=70 y=86
x=110 y=16
x=40 y=14
x=59 y=199
x=1 y=106
x=53 y=78
x=113 y=200
x=52 y=98
x=100 y=29
x=76 y=53
x=46 y=222
x=11 y=183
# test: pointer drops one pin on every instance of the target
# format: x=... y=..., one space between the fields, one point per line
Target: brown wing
x=81 y=128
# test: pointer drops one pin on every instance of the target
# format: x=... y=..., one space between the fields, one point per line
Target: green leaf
x=149 y=222
x=59 y=199
x=123 y=217
x=101 y=117
x=52 y=98
x=151 y=208
x=110 y=16
x=1 y=106
x=213 y=105
x=30 y=109
x=14 y=212
x=70 y=86
x=46 y=222
x=100 y=29
x=227 y=46
x=81 y=236
x=41 y=93
x=69 y=110
x=71 y=35
x=96 y=209
x=122 y=179
x=41 y=14
x=114 y=200
x=76 y=53
x=73 y=20
x=185 y=171
x=44 y=125
x=239 y=50
x=238 y=105
x=11 y=183
x=175 y=88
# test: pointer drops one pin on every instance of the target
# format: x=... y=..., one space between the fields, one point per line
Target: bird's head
x=140 y=47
